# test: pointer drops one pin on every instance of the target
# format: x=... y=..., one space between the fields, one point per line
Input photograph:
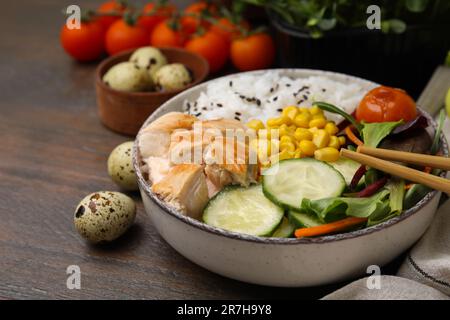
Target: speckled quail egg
x=148 y=58
x=120 y=166
x=172 y=76
x=126 y=76
x=104 y=216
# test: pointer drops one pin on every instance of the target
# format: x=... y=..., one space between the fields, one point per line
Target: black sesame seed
x=279 y=110
x=275 y=98
x=231 y=83
x=237 y=118
x=242 y=97
x=198 y=114
x=305 y=97
x=220 y=105
x=204 y=108
x=300 y=101
x=288 y=85
x=323 y=89
x=258 y=102
x=271 y=90
x=238 y=113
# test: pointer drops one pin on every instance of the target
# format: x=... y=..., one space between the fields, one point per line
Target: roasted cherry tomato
x=123 y=36
x=383 y=104
x=193 y=19
x=254 y=52
x=166 y=35
x=228 y=29
x=84 y=44
x=158 y=13
x=212 y=47
x=109 y=7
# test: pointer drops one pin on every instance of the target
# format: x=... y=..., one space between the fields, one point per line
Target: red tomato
x=160 y=14
x=254 y=52
x=228 y=29
x=108 y=7
x=212 y=47
x=386 y=104
x=122 y=36
x=165 y=36
x=192 y=19
x=84 y=44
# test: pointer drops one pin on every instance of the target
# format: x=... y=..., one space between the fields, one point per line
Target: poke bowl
x=271 y=260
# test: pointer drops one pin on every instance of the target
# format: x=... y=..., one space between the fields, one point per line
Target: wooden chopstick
x=394 y=169
x=407 y=157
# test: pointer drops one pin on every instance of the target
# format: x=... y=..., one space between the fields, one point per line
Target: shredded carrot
x=352 y=137
x=329 y=227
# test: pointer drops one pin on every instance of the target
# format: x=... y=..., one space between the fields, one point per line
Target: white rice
x=263 y=96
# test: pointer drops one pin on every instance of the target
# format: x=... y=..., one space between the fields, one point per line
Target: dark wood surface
x=53 y=153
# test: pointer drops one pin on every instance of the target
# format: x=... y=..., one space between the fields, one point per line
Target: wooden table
x=53 y=153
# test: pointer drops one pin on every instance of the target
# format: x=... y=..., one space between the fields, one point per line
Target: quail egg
x=120 y=166
x=126 y=76
x=104 y=216
x=148 y=58
x=172 y=76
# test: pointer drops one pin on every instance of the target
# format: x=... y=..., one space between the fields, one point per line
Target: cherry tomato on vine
x=159 y=13
x=386 y=104
x=192 y=19
x=84 y=44
x=109 y=7
x=123 y=36
x=228 y=29
x=165 y=35
x=212 y=47
x=254 y=52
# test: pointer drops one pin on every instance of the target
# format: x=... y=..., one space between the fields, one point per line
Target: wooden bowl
x=125 y=112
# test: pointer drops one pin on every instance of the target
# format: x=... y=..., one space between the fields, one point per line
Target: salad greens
x=327 y=209
x=373 y=133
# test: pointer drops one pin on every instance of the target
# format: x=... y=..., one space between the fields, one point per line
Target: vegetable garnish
x=437 y=136
x=328 y=208
x=373 y=133
x=333 y=109
x=357 y=176
x=329 y=227
x=372 y=188
x=352 y=137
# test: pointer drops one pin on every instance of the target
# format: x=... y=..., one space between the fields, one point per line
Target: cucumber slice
x=347 y=168
x=244 y=210
x=303 y=220
x=289 y=181
x=284 y=230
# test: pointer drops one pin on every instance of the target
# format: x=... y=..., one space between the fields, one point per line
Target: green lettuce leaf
x=373 y=133
x=330 y=209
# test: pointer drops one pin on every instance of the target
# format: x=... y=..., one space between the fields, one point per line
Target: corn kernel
x=302 y=120
x=298 y=153
x=321 y=139
x=292 y=128
x=334 y=142
x=307 y=147
x=290 y=112
x=327 y=154
x=342 y=140
x=274 y=122
x=303 y=134
x=289 y=146
x=315 y=110
x=284 y=139
x=331 y=128
x=318 y=116
x=319 y=123
x=303 y=110
x=313 y=130
x=255 y=124
x=284 y=130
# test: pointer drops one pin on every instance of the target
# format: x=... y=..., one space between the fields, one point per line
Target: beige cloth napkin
x=425 y=273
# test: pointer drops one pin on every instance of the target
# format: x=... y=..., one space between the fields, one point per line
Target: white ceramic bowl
x=284 y=262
